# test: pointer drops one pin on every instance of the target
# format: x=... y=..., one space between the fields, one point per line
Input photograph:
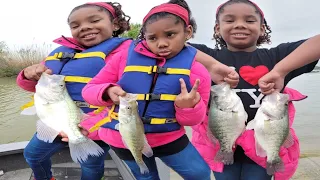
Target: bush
x=133 y=32
x=12 y=61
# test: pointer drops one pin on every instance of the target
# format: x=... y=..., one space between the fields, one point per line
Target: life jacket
x=80 y=67
x=157 y=88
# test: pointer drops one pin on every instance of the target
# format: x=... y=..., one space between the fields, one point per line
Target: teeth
x=89 y=35
x=240 y=35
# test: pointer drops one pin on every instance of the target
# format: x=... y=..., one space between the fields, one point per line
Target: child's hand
x=65 y=136
x=272 y=81
x=221 y=73
x=185 y=99
x=34 y=72
x=114 y=92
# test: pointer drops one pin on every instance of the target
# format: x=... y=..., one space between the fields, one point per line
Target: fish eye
x=128 y=107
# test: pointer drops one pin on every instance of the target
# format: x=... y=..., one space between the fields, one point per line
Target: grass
x=13 y=60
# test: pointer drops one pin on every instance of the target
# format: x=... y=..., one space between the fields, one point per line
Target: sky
x=41 y=21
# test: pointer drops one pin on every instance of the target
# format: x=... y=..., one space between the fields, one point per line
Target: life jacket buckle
x=162 y=70
x=81 y=104
x=153 y=97
x=67 y=55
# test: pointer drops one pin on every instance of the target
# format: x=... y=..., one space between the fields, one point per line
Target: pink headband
x=262 y=14
x=170 y=8
x=106 y=6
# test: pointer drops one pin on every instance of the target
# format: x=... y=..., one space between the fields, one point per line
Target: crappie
x=58 y=112
x=271 y=130
x=132 y=130
x=226 y=122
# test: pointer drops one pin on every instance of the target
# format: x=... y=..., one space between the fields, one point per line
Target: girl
x=173 y=92
x=240 y=28
x=94 y=27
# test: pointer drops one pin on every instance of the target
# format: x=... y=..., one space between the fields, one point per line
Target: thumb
x=48 y=71
x=121 y=92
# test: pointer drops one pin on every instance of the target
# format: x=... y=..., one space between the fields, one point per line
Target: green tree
x=133 y=32
x=3 y=47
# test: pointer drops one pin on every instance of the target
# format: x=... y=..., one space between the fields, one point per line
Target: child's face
x=240 y=27
x=167 y=36
x=90 y=27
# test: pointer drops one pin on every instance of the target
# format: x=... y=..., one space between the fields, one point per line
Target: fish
x=226 y=122
x=271 y=130
x=57 y=112
x=132 y=131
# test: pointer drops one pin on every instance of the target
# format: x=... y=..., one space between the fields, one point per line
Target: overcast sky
x=41 y=21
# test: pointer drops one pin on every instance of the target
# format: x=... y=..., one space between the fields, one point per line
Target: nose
x=162 y=43
x=240 y=25
x=85 y=27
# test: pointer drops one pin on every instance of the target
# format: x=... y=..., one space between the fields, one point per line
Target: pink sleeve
x=194 y=116
x=108 y=76
x=26 y=84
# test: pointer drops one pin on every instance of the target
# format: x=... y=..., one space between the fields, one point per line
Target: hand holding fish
x=221 y=73
x=114 y=92
x=34 y=72
x=188 y=99
x=272 y=81
x=65 y=136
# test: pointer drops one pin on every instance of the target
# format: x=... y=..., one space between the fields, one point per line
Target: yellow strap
x=114 y=115
x=31 y=103
x=58 y=56
x=78 y=79
x=99 y=110
x=103 y=121
x=161 y=121
x=90 y=54
x=153 y=69
x=163 y=97
x=27 y=105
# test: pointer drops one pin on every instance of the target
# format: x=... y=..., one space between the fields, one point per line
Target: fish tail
x=143 y=167
x=80 y=151
x=224 y=157
x=274 y=166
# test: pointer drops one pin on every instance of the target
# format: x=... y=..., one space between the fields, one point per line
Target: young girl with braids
x=95 y=28
x=240 y=29
x=173 y=93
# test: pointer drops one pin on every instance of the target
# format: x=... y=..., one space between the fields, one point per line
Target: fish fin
x=80 y=151
x=211 y=137
x=275 y=166
x=147 y=151
x=251 y=125
x=259 y=150
x=289 y=141
x=45 y=133
x=143 y=168
x=29 y=111
x=225 y=157
x=124 y=143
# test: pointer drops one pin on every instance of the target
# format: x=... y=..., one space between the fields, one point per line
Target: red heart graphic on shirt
x=251 y=74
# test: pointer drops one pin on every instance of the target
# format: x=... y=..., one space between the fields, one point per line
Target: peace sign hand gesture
x=185 y=99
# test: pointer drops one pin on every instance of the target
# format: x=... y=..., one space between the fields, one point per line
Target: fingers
x=48 y=71
x=233 y=83
x=120 y=92
x=35 y=71
x=64 y=137
x=266 y=88
x=115 y=92
x=183 y=86
x=83 y=131
x=194 y=89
